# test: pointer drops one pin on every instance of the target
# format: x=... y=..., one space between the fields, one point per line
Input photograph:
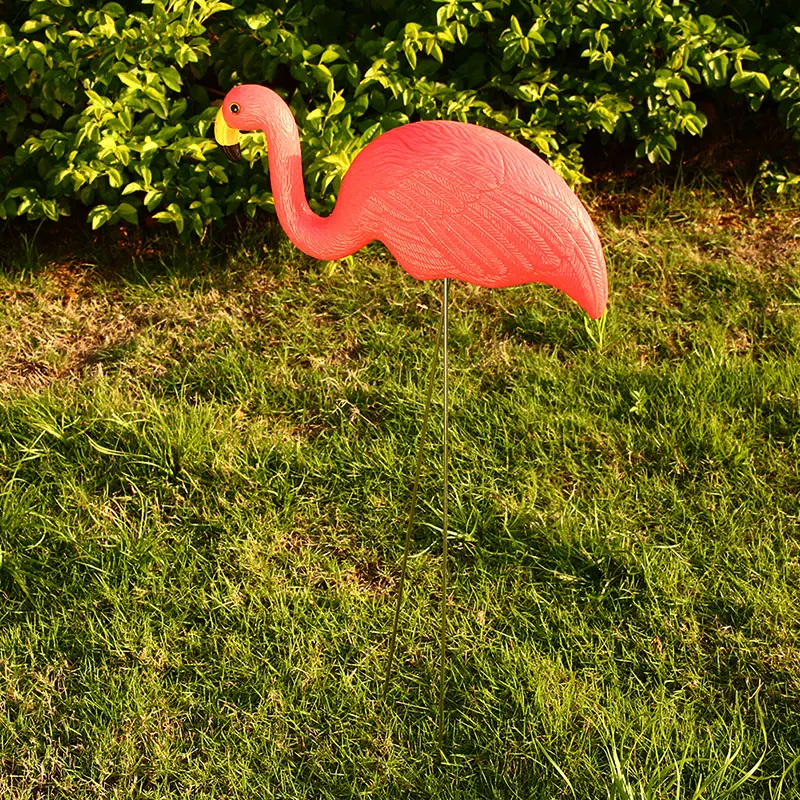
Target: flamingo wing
x=464 y=202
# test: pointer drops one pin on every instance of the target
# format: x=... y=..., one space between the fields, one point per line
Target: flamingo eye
x=234 y=108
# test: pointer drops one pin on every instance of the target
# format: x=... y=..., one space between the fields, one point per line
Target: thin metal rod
x=417 y=469
x=445 y=460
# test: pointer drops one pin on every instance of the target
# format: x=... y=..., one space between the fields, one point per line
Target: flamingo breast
x=460 y=201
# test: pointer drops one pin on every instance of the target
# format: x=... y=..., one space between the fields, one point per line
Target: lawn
x=206 y=455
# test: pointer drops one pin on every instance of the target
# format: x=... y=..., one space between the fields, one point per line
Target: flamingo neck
x=326 y=238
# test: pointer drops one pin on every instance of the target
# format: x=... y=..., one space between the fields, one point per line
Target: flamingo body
x=448 y=199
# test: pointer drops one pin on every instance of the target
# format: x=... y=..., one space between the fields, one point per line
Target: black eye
x=234 y=108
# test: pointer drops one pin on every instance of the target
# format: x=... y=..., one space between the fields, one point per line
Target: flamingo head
x=237 y=114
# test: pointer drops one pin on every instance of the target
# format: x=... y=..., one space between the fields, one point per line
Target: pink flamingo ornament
x=449 y=200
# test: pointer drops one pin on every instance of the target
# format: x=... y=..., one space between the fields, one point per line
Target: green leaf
x=257 y=21
x=113 y=9
x=793 y=116
x=321 y=72
x=171 y=77
x=51 y=209
x=128 y=213
x=115 y=179
x=33 y=25
x=215 y=8
x=741 y=80
x=337 y=106
x=153 y=199
x=412 y=30
x=99 y=215
x=411 y=54
x=360 y=105
x=693 y=125
x=329 y=56
x=707 y=24
x=717 y=68
x=761 y=81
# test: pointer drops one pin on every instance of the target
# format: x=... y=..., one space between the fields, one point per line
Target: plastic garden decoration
x=449 y=200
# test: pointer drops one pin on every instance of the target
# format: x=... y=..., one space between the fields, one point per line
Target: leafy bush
x=111 y=107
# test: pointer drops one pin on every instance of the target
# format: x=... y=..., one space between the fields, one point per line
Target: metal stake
x=443 y=632
x=412 y=510
x=441 y=341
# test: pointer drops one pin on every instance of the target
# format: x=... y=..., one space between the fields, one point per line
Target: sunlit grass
x=205 y=463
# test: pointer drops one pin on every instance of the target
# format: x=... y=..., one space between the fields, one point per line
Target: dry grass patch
x=58 y=326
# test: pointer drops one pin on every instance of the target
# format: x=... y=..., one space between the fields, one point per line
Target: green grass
x=205 y=464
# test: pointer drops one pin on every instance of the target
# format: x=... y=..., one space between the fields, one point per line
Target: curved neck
x=321 y=237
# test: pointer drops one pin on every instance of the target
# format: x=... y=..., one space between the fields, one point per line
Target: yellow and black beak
x=227 y=138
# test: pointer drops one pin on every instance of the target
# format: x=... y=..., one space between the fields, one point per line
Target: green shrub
x=110 y=108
